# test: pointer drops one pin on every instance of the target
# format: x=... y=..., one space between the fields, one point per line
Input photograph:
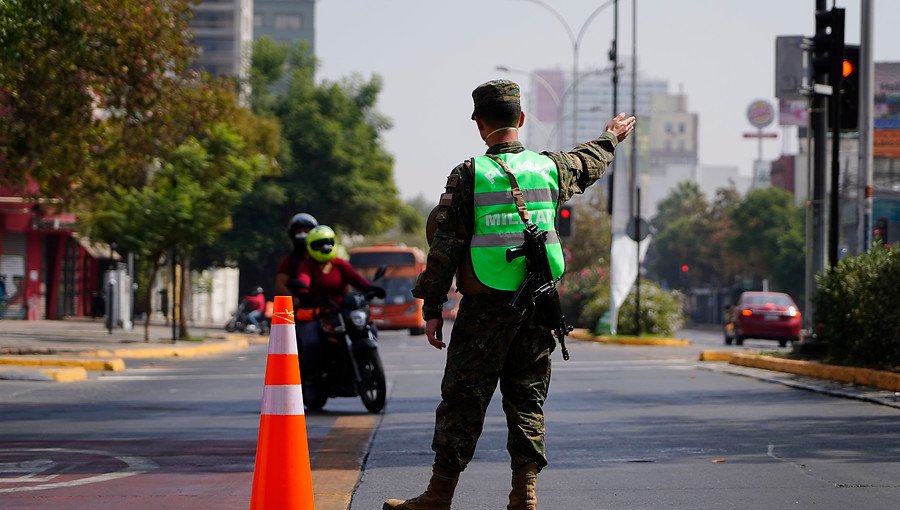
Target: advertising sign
x=760 y=113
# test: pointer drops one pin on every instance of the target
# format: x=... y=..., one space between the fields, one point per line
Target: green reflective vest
x=497 y=223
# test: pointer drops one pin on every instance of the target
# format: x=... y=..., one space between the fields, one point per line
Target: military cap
x=495 y=91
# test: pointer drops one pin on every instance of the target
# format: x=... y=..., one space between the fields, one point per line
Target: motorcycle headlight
x=358 y=318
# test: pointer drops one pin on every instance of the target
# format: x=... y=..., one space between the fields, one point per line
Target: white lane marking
x=186 y=377
x=30 y=468
x=134 y=466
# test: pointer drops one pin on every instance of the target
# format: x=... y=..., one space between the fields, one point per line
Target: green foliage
x=69 y=64
x=590 y=242
x=584 y=295
x=661 y=312
x=685 y=201
x=730 y=240
x=187 y=202
x=857 y=309
x=332 y=165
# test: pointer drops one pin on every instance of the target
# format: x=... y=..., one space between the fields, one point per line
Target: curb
x=880 y=379
x=106 y=360
x=111 y=364
x=583 y=334
x=176 y=351
x=70 y=374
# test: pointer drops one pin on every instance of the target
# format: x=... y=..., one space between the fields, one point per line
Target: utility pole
x=635 y=191
x=866 y=109
x=614 y=58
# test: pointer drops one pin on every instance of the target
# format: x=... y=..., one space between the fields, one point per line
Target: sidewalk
x=84 y=344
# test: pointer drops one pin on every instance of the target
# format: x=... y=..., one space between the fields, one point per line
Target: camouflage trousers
x=492 y=343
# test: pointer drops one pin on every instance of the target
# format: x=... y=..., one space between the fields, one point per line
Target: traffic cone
x=281 y=477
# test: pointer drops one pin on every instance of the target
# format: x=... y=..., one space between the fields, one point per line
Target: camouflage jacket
x=449 y=253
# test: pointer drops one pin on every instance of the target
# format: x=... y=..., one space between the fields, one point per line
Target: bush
x=857 y=309
x=661 y=312
x=579 y=294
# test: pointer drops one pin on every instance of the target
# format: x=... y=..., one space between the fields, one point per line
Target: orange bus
x=399 y=309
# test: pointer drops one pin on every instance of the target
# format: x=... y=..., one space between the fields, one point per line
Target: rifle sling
x=517 y=195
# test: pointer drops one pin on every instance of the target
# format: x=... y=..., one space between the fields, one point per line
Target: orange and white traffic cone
x=282 y=478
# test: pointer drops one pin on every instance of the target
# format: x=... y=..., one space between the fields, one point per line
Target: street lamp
x=559 y=99
x=540 y=79
x=576 y=42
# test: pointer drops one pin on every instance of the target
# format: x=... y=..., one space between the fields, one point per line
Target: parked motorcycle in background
x=240 y=323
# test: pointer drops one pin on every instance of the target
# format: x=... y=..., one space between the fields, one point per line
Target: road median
x=586 y=335
x=880 y=379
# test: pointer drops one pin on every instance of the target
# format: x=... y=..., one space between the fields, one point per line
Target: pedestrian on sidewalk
x=474 y=223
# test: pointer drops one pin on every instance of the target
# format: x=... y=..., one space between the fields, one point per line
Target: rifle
x=539 y=287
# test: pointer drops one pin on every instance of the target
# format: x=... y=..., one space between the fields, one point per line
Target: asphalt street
x=627 y=428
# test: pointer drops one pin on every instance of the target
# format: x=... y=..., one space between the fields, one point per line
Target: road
x=628 y=428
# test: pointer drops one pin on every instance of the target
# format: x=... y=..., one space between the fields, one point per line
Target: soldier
x=474 y=223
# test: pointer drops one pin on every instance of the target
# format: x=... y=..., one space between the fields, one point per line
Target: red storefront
x=49 y=272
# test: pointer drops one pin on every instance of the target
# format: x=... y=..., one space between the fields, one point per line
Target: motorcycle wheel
x=373 y=388
x=313 y=399
x=230 y=327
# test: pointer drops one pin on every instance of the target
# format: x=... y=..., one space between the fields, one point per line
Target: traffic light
x=880 y=232
x=564 y=221
x=828 y=46
x=848 y=91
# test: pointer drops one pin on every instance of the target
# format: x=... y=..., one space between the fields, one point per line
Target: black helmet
x=301 y=220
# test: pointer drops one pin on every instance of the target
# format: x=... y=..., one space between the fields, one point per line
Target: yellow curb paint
x=336 y=462
x=863 y=376
x=252 y=339
x=182 y=351
x=111 y=364
x=72 y=374
x=583 y=334
x=715 y=355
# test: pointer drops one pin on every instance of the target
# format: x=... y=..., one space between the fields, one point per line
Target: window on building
x=681 y=128
x=288 y=21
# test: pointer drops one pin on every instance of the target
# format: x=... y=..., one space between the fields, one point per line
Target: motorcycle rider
x=254 y=304
x=322 y=279
x=298 y=229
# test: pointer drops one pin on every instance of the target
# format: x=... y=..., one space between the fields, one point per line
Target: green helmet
x=321 y=243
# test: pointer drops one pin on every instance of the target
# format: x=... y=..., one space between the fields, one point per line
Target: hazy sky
x=432 y=53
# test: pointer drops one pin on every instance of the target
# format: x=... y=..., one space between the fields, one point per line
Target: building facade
x=223 y=33
x=285 y=21
x=47 y=271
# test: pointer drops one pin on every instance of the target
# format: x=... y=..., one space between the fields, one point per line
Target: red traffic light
x=565 y=213
x=685 y=268
x=847 y=68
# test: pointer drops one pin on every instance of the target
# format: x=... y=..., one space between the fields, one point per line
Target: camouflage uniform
x=490 y=340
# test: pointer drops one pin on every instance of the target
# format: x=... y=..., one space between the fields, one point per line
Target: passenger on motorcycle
x=322 y=280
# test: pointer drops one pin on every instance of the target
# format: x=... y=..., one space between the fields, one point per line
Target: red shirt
x=258 y=301
x=332 y=283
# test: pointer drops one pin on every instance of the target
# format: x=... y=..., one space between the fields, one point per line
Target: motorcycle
x=239 y=322
x=351 y=365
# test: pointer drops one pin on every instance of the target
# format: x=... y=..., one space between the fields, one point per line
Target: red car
x=763 y=315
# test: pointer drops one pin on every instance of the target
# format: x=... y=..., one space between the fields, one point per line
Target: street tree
x=68 y=67
x=186 y=204
x=768 y=236
x=333 y=163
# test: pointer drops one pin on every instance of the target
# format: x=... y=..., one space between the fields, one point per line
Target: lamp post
x=559 y=99
x=576 y=42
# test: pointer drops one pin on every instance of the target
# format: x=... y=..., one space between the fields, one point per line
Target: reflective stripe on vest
x=497 y=223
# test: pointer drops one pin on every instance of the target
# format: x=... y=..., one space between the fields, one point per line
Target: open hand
x=621 y=126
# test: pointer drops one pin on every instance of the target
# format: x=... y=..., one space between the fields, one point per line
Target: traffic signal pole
x=818 y=124
x=866 y=108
